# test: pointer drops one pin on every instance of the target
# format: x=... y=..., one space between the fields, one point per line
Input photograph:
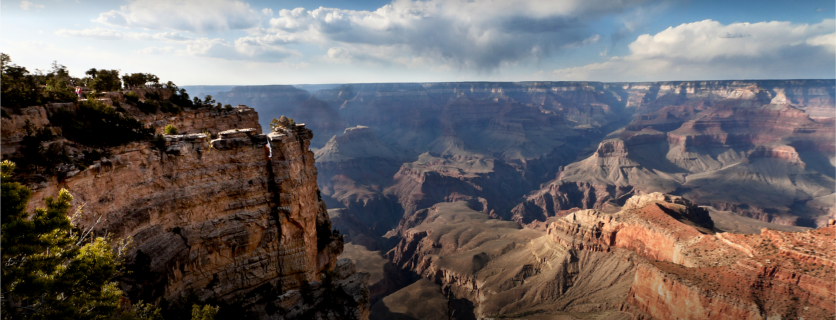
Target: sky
x=239 y=42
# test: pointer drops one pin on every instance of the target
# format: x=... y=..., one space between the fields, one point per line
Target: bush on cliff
x=21 y=89
x=51 y=270
x=282 y=122
x=97 y=124
x=207 y=312
x=170 y=129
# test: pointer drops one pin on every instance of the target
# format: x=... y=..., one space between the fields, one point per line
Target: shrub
x=131 y=96
x=159 y=141
x=170 y=129
x=97 y=124
x=152 y=95
x=148 y=107
x=207 y=312
x=169 y=107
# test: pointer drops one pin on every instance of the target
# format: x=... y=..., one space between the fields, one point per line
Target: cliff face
x=235 y=221
x=697 y=139
x=772 y=162
x=774 y=274
x=658 y=257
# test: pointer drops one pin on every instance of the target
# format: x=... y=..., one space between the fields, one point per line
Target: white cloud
x=156 y=50
x=476 y=34
x=110 y=34
x=245 y=48
x=198 y=16
x=26 y=5
x=827 y=41
x=709 y=49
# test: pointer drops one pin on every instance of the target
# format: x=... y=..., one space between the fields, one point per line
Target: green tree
x=47 y=273
x=105 y=80
x=207 y=312
x=136 y=80
x=92 y=72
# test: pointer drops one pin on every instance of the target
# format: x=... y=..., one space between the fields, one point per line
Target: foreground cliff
x=230 y=217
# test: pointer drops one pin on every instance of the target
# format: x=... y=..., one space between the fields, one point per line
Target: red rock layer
x=694 y=275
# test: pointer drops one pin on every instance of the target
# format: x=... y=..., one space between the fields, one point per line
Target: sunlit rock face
x=658 y=257
x=692 y=138
x=772 y=162
x=234 y=219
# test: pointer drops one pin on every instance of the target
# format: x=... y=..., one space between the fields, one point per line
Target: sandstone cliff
x=657 y=258
x=774 y=274
x=232 y=218
x=772 y=162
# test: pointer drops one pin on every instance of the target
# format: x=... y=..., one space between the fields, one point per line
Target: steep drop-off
x=772 y=162
x=658 y=257
x=233 y=219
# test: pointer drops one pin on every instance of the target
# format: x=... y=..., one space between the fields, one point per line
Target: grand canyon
x=529 y=200
x=545 y=200
x=418 y=159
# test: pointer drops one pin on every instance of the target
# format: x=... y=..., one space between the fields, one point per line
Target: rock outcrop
x=774 y=274
x=233 y=219
x=763 y=161
x=658 y=257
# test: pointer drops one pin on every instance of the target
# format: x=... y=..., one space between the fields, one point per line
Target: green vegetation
x=207 y=312
x=103 y=80
x=21 y=89
x=139 y=80
x=97 y=124
x=179 y=96
x=50 y=269
x=282 y=122
x=207 y=102
x=170 y=129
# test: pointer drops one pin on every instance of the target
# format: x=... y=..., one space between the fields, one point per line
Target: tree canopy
x=137 y=80
x=21 y=88
x=49 y=269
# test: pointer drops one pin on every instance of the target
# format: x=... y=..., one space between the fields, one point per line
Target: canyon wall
x=698 y=139
x=232 y=218
x=658 y=257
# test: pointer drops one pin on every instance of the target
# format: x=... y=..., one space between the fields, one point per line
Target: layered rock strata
x=235 y=221
x=771 y=162
x=693 y=273
x=659 y=257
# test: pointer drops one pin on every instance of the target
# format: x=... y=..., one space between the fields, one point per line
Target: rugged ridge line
x=235 y=221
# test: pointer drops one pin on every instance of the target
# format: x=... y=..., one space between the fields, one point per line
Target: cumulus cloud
x=476 y=34
x=827 y=41
x=110 y=34
x=709 y=49
x=241 y=49
x=198 y=16
x=26 y=5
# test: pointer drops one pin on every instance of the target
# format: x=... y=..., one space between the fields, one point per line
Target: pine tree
x=46 y=271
